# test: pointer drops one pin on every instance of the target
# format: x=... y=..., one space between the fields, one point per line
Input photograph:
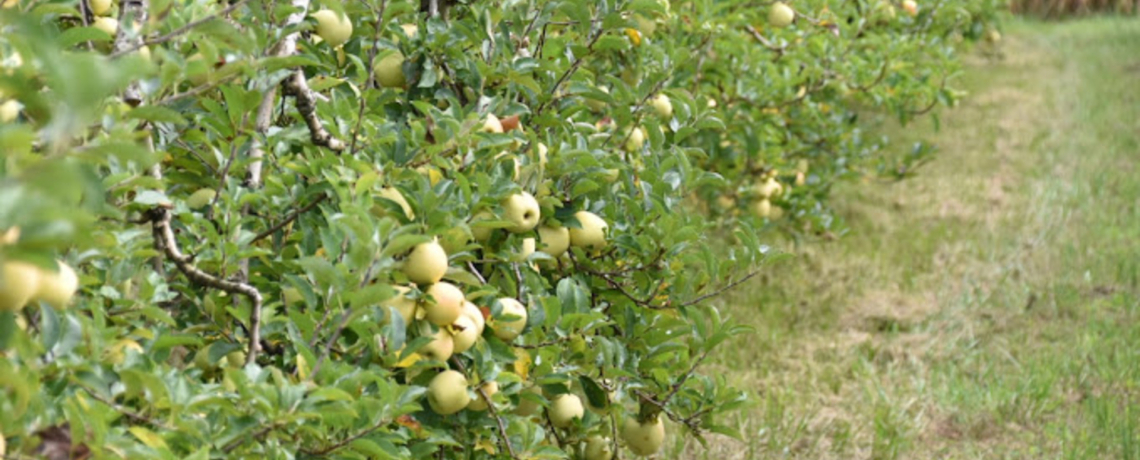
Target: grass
x=989 y=308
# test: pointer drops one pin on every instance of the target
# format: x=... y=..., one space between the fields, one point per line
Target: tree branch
x=165 y=242
x=306 y=102
x=292 y=217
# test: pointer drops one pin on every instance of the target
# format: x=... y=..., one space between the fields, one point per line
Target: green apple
x=480 y=404
x=508 y=329
x=389 y=71
x=99 y=7
x=441 y=347
x=636 y=139
x=334 y=28
x=598 y=448
x=108 y=25
x=522 y=210
x=662 y=106
x=445 y=304
x=593 y=231
x=555 y=240
x=781 y=15
x=564 y=409
x=426 y=264
x=447 y=393
x=19 y=281
x=58 y=287
x=643 y=438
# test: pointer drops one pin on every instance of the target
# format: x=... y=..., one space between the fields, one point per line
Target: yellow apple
x=411 y=30
x=643 y=438
x=333 y=28
x=441 y=347
x=645 y=26
x=391 y=193
x=200 y=198
x=769 y=188
x=910 y=7
x=522 y=210
x=10 y=236
x=800 y=178
x=564 y=409
x=636 y=140
x=19 y=281
x=555 y=240
x=593 y=231
x=598 y=448
x=476 y=315
x=464 y=333
x=108 y=25
x=99 y=7
x=597 y=105
x=3 y=444
x=447 y=393
x=508 y=329
x=58 y=287
x=426 y=264
x=528 y=407
x=9 y=110
x=389 y=71
x=781 y=15
x=405 y=306
x=445 y=303
x=662 y=106
x=479 y=404
x=762 y=208
x=482 y=234
x=993 y=36
x=526 y=250
x=492 y=124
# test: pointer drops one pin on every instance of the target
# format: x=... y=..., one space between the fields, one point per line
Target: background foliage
x=272 y=170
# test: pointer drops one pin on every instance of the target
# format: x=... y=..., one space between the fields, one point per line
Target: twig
x=344 y=317
x=371 y=74
x=256 y=436
x=721 y=290
x=165 y=242
x=578 y=60
x=132 y=14
x=177 y=32
x=506 y=440
x=129 y=413
x=290 y=218
x=344 y=442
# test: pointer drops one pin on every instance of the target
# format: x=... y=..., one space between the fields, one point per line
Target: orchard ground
x=987 y=308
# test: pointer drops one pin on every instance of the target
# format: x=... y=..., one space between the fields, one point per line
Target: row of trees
x=373 y=229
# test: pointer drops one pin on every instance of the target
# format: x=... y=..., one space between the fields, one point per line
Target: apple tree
x=441 y=229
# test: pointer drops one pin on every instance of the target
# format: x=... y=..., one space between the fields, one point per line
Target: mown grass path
x=988 y=308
